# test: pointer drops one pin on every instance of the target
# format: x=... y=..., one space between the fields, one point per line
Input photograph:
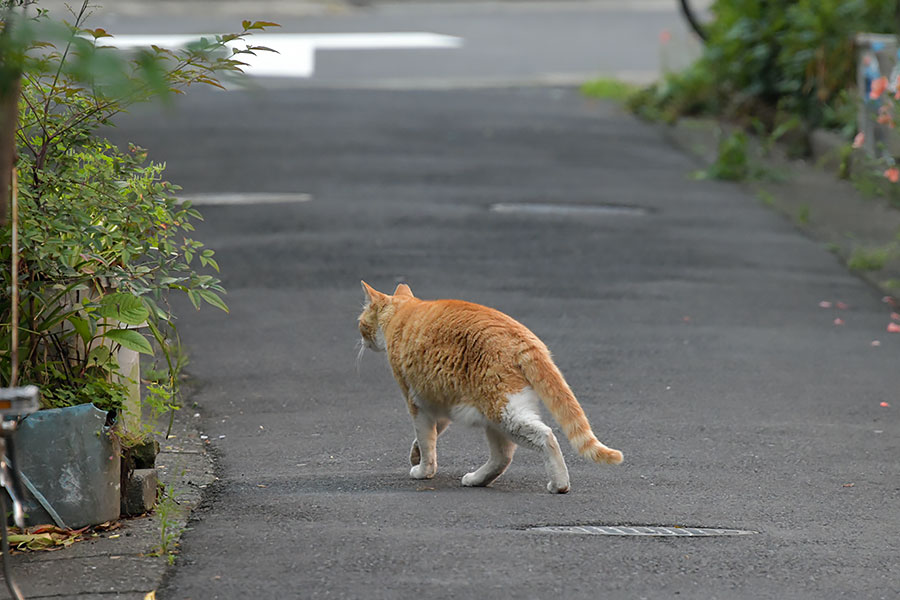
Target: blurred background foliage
x=772 y=60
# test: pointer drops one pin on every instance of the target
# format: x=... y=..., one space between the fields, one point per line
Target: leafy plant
x=103 y=238
x=608 y=89
x=871 y=259
x=767 y=198
x=766 y=58
x=732 y=161
x=168 y=511
x=690 y=92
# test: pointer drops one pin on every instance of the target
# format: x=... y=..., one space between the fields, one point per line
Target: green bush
x=870 y=259
x=102 y=238
x=608 y=89
x=774 y=57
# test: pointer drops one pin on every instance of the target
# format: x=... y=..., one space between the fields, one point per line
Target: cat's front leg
x=426 y=441
x=415 y=454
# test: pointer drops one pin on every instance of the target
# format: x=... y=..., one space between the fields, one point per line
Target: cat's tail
x=551 y=387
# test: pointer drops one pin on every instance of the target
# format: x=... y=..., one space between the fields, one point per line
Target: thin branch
x=62 y=60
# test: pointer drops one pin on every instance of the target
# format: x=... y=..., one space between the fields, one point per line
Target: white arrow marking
x=296 y=51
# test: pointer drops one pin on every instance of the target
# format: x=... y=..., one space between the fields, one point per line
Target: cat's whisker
x=362 y=350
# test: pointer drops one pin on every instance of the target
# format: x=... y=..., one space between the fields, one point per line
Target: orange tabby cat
x=458 y=361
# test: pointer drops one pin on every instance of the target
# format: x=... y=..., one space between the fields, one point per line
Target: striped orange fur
x=457 y=360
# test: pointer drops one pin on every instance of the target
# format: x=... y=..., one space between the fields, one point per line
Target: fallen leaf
x=876 y=343
x=839 y=321
x=895 y=316
x=842 y=305
x=825 y=304
x=884 y=405
x=150 y=595
x=32 y=541
x=893 y=327
x=849 y=484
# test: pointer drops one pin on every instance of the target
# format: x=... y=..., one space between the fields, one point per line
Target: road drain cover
x=574 y=210
x=655 y=531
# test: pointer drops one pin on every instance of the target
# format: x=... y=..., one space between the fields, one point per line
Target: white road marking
x=250 y=198
x=296 y=51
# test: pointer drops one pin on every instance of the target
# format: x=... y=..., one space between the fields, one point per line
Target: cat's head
x=379 y=308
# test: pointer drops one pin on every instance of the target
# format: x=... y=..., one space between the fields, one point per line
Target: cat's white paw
x=472 y=480
x=421 y=471
x=558 y=488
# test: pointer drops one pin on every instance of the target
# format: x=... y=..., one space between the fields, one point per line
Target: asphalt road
x=507 y=42
x=691 y=335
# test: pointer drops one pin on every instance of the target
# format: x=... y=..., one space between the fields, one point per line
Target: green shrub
x=869 y=259
x=102 y=238
x=732 y=160
x=769 y=58
x=608 y=89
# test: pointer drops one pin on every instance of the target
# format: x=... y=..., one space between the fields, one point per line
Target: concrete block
x=143 y=455
x=139 y=495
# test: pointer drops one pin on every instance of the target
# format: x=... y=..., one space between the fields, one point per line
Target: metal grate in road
x=654 y=531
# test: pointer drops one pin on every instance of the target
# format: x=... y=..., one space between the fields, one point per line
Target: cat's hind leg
x=521 y=421
x=502 y=449
x=415 y=455
x=426 y=436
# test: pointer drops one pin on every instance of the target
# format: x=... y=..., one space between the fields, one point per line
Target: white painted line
x=369 y=41
x=214 y=199
x=296 y=52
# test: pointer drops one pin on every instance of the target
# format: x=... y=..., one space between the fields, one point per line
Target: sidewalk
x=119 y=563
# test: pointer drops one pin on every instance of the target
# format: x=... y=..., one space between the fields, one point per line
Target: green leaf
x=131 y=339
x=263 y=49
x=262 y=25
x=99 y=356
x=82 y=327
x=213 y=298
x=155 y=310
x=195 y=298
x=126 y=308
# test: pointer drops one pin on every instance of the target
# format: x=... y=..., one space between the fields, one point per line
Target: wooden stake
x=14 y=313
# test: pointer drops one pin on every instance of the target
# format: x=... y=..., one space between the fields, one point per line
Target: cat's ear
x=373 y=294
x=403 y=290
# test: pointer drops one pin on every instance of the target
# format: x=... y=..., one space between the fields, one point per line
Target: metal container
x=71 y=467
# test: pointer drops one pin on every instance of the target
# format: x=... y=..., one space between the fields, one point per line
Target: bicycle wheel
x=693 y=19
